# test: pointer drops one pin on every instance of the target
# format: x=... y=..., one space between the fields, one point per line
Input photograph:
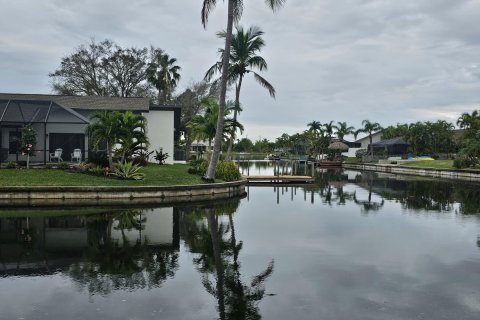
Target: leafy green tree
x=244 y=58
x=234 y=13
x=370 y=128
x=390 y=132
x=164 y=74
x=263 y=146
x=103 y=69
x=244 y=145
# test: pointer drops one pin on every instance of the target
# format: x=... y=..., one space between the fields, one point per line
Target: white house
x=60 y=123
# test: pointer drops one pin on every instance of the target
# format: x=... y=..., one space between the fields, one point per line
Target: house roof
x=390 y=142
x=367 y=136
x=85 y=102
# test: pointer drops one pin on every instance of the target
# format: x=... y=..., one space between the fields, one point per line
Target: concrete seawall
x=465 y=175
x=51 y=195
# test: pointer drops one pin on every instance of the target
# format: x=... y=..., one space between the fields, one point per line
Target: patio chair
x=56 y=155
x=76 y=155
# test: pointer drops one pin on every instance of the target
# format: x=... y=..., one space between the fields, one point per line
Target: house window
x=14 y=141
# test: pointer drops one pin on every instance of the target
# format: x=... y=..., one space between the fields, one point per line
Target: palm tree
x=163 y=74
x=243 y=59
x=466 y=120
x=315 y=127
x=235 y=10
x=105 y=128
x=132 y=135
x=328 y=129
x=343 y=129
x=204 y=126
x=370 y=128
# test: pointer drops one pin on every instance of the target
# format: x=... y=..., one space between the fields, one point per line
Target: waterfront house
x=60 y=123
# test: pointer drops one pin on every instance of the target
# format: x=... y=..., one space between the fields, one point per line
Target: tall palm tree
x=162 y=72
x=370 y=128
x=243 y=59
x=235 y=10
x=315 y=127
x=328 y=129
x=105 y=127
x=343 y=129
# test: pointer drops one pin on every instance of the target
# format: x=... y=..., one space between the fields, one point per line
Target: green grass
x=436 y=164
x=156 y=175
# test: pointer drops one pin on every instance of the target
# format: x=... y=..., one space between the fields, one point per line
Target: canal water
x=352 y=246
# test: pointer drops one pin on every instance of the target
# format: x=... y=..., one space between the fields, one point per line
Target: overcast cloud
x=343 y=60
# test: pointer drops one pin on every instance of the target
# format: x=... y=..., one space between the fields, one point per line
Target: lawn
x=436 y=164
x=156 y=175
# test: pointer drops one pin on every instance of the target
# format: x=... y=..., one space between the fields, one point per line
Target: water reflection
x=102 y=252
x=212 y=238
x=338 y=186
x=352 y=245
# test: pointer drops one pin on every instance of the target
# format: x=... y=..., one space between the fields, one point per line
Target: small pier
x=278 y=179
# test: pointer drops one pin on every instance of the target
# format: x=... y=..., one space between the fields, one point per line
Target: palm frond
x=264 y=83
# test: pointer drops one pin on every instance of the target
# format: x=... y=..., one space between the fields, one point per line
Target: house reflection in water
x=47 y=245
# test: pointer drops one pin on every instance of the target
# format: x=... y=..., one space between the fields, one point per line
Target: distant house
x=395 y=146
x=60 y=123
x=365 y=141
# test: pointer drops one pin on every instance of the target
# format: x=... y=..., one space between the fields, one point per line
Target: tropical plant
x=204 y=127
x=245 y=45
x=105 y=127
x=160 y=156
x=132 y=135
x=370 y=128
x=315 y=127
x=234 y=13
x=163 y=73
x=342 y=129
x=128 y=170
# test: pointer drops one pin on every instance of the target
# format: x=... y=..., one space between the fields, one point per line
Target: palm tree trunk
x=371 y=146
x=210 y=175
x=110 y=157
x=235 y=112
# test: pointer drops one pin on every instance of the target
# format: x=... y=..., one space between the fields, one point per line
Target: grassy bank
x=156 y=175
x=436 y=164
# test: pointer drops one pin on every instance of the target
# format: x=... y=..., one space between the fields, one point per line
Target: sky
x=343 y=60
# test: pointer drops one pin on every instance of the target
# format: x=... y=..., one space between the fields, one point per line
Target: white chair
x=76 y=155
x=56 y=155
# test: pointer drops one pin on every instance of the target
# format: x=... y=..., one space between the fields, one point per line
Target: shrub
x=98 y=157
x=160 y=156
x=462 y=162
x=227 y=171
x=128 y=170
x=96 y=170
x=11 y=165
x=142 y=158
x=360 y=153
x=63 y=166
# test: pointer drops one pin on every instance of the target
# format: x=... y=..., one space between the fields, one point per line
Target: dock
x=279 y=179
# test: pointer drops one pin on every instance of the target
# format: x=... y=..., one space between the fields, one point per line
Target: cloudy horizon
x=390 y=62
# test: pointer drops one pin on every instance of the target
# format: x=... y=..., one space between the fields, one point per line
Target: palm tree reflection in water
x=214 y=241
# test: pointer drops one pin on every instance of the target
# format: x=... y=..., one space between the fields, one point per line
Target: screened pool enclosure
x=60 y=130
